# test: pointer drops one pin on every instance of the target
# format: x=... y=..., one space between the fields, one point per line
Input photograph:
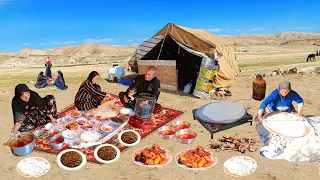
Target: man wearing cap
x=281 y=100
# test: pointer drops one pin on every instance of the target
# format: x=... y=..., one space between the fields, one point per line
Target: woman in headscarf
x=89 y=95
x=59 y=82
x=41 y=81
x=30 y=110
x=281 y=100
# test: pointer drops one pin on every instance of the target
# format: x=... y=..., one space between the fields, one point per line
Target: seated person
x=89 y=95
x=281 y=100
x=41 y=80
x=30 y=110
x=59 y=82
x=148 y=83
x=128 y=98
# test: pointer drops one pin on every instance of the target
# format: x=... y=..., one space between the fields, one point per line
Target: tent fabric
x=146 y=46
x=193 y=37
x=203 y=42
x=200 y=54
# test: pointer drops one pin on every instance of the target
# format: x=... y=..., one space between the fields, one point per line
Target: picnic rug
x=160 y=118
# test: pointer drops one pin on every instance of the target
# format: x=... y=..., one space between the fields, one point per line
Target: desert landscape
x=255 y=54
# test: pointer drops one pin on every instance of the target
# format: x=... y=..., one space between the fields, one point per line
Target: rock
x=292 y=70
x=273 y=74
x=267 y=73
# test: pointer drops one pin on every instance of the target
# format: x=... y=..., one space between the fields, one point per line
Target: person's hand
x=14 y=130
x=299 y=114
x=54 y=120
x=108 y=96
x=125 y=99
x=259 y=119
x=16 y=127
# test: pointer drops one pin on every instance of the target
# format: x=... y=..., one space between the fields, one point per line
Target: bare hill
x=101 y=54
x=279 y=38
x=83 y=54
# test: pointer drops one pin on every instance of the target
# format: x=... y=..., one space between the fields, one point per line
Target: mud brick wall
x=167 y=73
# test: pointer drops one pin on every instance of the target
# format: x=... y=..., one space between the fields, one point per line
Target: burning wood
x=237 y=144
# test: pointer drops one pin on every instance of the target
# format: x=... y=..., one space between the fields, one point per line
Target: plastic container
x=207 y=73
x=259 y=88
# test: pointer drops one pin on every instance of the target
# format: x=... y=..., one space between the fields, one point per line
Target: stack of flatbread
x=240 y=166
x=285 y=124
x=33 y=167
x=105 y=110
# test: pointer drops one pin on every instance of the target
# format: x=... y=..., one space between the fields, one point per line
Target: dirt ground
x=306 y=85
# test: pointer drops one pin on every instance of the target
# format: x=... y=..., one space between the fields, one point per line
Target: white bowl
x=83 y=163
x=105 y=127
x=48 y=126
x=93 y=122
x=125 y=144
x=125 y=111
x=104 y=161
x=69 y=134
x=81 y=120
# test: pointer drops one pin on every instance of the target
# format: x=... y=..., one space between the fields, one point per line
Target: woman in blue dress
x=281 y=100
x=59 y=82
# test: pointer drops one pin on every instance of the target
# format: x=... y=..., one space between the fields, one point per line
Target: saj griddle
x=220 y=116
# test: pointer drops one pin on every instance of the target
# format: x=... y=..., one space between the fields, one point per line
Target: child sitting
x=128 y=98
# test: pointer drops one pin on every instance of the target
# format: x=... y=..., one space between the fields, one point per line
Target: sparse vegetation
x=270 y=64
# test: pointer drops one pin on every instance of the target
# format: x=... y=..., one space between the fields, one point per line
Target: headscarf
x=285 y=85
x=92 y=75
x=41 y=73
x=18 y=105
x=20 y=88
x=61 y=76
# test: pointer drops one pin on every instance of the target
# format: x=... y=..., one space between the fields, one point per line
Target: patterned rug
x=159 y=118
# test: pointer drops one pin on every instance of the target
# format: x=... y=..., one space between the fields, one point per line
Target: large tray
x=103 y=135
x=265 y=124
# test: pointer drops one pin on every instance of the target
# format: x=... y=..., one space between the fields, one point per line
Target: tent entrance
x=187 y=65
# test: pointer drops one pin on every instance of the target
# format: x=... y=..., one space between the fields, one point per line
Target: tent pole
x=163 y=41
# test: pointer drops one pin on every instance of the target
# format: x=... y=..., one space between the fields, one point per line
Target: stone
x=273 y=74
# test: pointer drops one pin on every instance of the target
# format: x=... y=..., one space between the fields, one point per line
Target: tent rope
x=163 y=43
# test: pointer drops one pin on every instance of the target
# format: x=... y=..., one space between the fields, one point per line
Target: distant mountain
x=82 y=50
x=279 y=38
x=100 y=53
x=83 y=54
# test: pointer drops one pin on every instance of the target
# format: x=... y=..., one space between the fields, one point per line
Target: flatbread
x=240 y=166
x=33 y=167
x=286 y=124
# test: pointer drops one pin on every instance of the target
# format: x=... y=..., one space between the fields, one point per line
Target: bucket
x=145 y=104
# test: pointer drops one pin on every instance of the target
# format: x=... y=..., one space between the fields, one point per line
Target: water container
x=259 y=88
x=206 y=77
